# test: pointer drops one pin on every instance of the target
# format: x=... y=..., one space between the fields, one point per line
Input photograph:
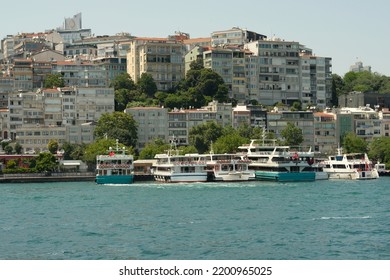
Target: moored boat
x=277 y=163
x=228 y=167
x=174 y=168
x=355 y=166
x=116 y=167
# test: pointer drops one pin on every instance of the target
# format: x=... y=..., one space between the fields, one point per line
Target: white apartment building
x=152 y=123
x=161 y=58
x=66 y=114
x=384 y=116
x=316 y=80
x=325 y=140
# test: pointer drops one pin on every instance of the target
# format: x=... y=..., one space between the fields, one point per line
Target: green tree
x=292 y=135
x=123 y=81
x=201 y=136
x=157 y=146
x=337 y=87
x=46 y=162
x=117 y=125
x=147 y=85
x=53 y=146
x=18 y=148
x=379 y=150
x=8 y=149
x=197 y=64
x=354 y=144
x=54 y=81
x=229 y=143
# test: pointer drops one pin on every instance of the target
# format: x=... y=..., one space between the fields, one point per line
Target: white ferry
x=355 y=166
x=228 y=167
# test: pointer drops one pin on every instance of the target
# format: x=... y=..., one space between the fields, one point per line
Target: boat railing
x=114 y=166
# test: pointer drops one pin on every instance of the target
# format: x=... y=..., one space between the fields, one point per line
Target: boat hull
x=285 y=176
x=181 y=178
x=233 y=177
x=354 y=175
x=119 y=179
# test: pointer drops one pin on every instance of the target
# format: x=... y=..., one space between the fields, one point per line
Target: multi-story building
x=316 y=81
x=278 y=77
x=325 y=140
x=277 y=121
x=355 y=99
x=363 y=121
x=66 y=114
x=152 y=123
x=235 y=36
x=81 y=74
x=358 y=67
x=23 y=74
x=384 y=116
x=161 y=58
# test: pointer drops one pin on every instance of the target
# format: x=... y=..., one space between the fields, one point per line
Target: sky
x=345 y=30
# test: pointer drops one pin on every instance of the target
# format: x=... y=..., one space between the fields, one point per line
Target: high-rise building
x=161 y=58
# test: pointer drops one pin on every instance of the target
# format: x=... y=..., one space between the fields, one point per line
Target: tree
x=46 y=162
x=123 y=81
x=53 y=146
x=8 y=149
x=229 y=143
x=157 y=146
x=197 y=64
x=147 y=85
x=54 y=81
x=379 y=150
x=337 y=86
x=117 y=125
x=201 y=136
x=292 y=135
x=354 y=144
x=18 y=148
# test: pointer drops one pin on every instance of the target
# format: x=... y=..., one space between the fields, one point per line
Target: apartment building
x=316 y=81
x=325 y=140
x=152 y=123
x=234 y=36
x=66 y=114
x=384 y=116
x=81 y=74
x=363 y=121
x=159 y=57
x=277 y=121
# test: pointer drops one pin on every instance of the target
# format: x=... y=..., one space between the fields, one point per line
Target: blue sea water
x=253 y=220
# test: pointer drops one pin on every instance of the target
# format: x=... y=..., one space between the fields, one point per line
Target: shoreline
x=58 y=177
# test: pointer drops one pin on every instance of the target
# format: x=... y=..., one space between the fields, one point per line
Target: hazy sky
x=347 y=31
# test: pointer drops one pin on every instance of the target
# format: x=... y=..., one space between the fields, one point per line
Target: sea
x=322 y=220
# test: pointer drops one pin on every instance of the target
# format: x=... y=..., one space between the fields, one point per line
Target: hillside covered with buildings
x=255 y=68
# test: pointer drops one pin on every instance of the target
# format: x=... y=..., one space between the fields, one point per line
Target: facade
x=81 y=74
x=325 y=140
x=358 y=67
x=316 y=79
x=235 y=36
x=161 y=58
x=152 y=123
x=384 y=116
x=66 y=114
x=357 y=99
x=363 y=121
x=277 y=121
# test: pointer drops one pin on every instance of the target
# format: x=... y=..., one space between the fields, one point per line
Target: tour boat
x=355 y=166
x=228 y=167
x=174 y=168
x=116 y=167
x=277 y=163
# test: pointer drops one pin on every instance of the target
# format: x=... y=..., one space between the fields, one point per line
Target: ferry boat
x=277 y=163
x=228 y=167
x=174 y=168
x=116 y=167
x=355 y=166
